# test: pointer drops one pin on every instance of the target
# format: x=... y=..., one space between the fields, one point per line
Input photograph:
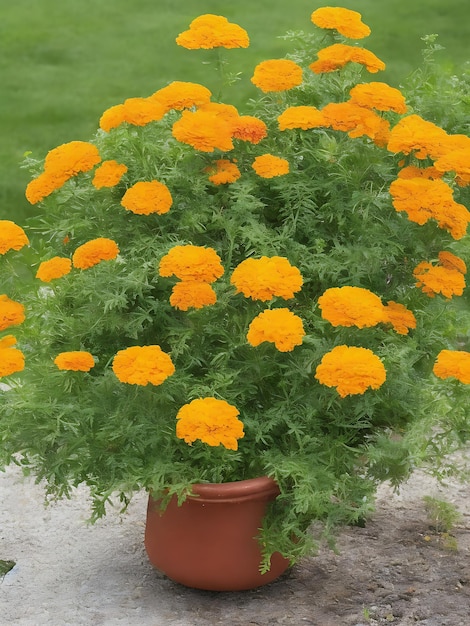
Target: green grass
x=62 y=62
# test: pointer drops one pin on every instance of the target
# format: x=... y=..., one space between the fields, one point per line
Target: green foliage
x=332 y=217
x=443 y=515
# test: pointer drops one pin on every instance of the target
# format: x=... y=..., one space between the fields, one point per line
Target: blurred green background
x=63 y=62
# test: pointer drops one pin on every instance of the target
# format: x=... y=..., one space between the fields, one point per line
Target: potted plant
x=221 y=296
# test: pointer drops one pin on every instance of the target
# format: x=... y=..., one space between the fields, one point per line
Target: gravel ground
x=397 y=570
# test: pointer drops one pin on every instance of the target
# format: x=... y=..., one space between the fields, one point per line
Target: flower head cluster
x=76 y=361
x=453 y=364
x=223 y=171
x=446 y=278
x=347 y=22
x=203 y=130
x=11 y=312
x=414 y=135
x=278 y=326
x=267 y=277
x=93 y=252
x=423 y=199
x=12 y=236
x=213 y=31
x=108 y=174
x=146 y=197
x=140 y=365
x=338 y=55
x=61 y=164
x=270 y=166
x=134 y=111
x=380 y=96
x=249 y=128
x=401 y=318
x=54 y=268
x=11 y=359
x=192 y=294
x=351 y=306
x=211 y=421
x=303 y=117
x=180 y=95
x=277 y=75
x=355 y=120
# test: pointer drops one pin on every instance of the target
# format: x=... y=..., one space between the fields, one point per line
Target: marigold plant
x=209 y=293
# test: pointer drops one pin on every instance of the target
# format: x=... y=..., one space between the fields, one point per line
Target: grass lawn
x=62 y=62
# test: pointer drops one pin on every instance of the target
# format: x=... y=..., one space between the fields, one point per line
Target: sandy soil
x=396 y=570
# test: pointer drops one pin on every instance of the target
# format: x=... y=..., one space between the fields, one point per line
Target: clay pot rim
x=251 y=488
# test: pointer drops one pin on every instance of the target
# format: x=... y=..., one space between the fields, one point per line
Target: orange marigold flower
x=223 y=171
x=269 y=166
x=180 y=95
x=249 y=128
x=112 y=117
x=380 y=96
x=457 y=161
x=211 y=421
x=144 y=198
x=452 y=262
x=434 y=279
x=453 y=364
x=142 y=111
x=353 y=119
x=193 y=263
x=11 y=359
x=338 y=55
x=303 y=117
x=277 y=75
x=414 y=135
x=12 y=236
x=11 y=312
x=108 y=174
x=213 y=31
x=226 y=112
x=71 y=158
x=53 y=268
x=401 y=318
x=140 y=365
x=351 y=306
x=93 y=252
x=411 y=171
x=43 y=185
x=278 y=326
x=424 y=199
x=192 y=294
x=77 y=361
x=347 y=22
x=204 y=131
x=351 y=370
x=264 y=278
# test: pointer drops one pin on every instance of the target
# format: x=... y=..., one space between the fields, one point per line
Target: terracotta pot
x=209 y=542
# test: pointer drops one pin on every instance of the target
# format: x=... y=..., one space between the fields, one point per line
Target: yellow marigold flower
x=180 y=95
x=453 y=364
x=411 y=171
x=112 y=117
x=264 y=278
x=249 y=128
x=140 y=365
x=353 y=119
x=424 y=199
x=351 y=370
x=278 y=326
x=401 y=318
x=53 y=268
x=213 y=31
x=93 y=252
x=338 y=55
x=108 y=174
x=192 y=294
x=303 y=117
x=269 y=166
x=11 y=312
x=451 y=261
x=277 y=75
x=211 y=421
x=434 y=279
x=414 y=135
x=144 y=198
x=195 y=263
x=380 y=96
x=11 y=359
x=223 y=171
x=12 y=236
x=351 y=306
x=76 y=361
x=204 y=131
x=347 y=22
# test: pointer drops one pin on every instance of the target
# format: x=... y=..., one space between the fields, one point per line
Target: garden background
x=63 y=62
